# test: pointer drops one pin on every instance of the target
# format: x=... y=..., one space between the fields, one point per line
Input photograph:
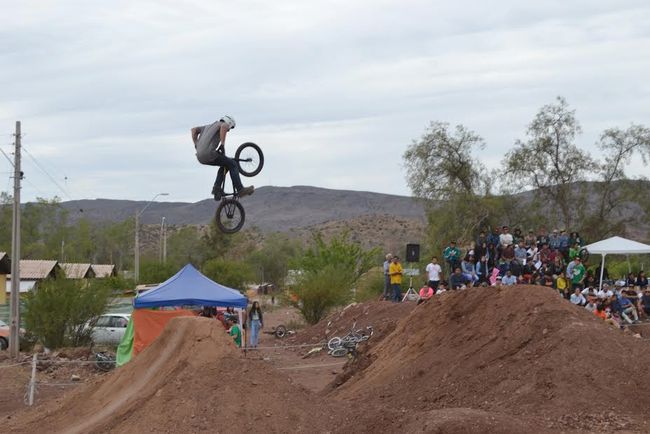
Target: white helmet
x=229 y=120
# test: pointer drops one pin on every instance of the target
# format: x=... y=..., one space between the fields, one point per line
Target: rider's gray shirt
x=206 y=146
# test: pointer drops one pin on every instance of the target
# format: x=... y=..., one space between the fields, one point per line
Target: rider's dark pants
x=233 y=169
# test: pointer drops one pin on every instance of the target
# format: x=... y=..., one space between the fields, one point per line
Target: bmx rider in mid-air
x=210 y=144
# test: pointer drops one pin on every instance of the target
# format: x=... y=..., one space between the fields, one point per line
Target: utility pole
x=136 y=272
x=14 y=327
x=160 y=242
x=165 y=244
x=136 y=248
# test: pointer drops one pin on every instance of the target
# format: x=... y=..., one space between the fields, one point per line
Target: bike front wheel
x=230 y=216
x=339 y=352
x=250 y=159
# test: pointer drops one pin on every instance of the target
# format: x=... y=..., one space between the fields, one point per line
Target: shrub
x=320 y=290
x=57 y=312
x=371 y=285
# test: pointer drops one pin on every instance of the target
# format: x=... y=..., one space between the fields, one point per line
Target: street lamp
x=137 y=236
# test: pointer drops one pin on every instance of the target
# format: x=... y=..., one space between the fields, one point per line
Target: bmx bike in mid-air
x=230 y=214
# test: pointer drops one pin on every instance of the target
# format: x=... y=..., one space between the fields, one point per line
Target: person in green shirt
x=574 y=251
x=234 y=331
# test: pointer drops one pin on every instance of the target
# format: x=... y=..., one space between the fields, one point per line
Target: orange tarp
x=149 y=324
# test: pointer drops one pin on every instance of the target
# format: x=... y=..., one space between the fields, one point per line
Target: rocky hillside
x=270 y=209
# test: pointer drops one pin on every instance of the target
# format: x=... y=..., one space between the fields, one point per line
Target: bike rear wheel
x=230 y=216
x=333 y=343
x=250 y=159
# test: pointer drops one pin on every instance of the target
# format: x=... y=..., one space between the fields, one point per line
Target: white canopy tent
x=616 y=246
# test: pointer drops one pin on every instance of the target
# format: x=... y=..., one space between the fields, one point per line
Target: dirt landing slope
x=191 y=379
x=515 y=350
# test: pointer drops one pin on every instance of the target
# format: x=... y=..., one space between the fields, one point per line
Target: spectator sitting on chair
x=577 y=298
x=509 y=279
x=426 y=292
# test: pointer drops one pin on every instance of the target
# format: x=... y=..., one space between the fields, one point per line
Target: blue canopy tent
x=189 y=287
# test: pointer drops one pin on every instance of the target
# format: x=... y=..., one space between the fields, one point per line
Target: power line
x=46 y=173
x=7 y=157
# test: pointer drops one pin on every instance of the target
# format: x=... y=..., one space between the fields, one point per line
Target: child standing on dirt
x=234 y=331
x=255 y=323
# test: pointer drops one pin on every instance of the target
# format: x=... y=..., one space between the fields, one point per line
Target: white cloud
x=333 y=91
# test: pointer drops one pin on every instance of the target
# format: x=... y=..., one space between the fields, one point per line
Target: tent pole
x=629 y=267
x=243 y=332
x=602 y=270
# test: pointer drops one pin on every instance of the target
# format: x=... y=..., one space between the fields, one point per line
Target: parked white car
x=110 y=328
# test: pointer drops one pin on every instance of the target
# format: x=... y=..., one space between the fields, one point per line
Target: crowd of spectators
x=552 y=259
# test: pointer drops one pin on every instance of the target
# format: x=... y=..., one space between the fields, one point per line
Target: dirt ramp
x=191 y=379
x=516 y=350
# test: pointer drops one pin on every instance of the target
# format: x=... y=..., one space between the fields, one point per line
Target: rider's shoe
x=246 y=191
x=217 y=193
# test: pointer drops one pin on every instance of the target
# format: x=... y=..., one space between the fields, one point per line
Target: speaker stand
x=411 y=294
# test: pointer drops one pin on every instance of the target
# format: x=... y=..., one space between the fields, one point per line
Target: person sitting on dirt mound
x=426 y=292
x=457 y=280
x=509 y=279
x=645 y=302
x=577 y=298
x=234 y=330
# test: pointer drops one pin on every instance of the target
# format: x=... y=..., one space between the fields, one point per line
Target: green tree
x=58 y=311
x=440 y=165
x=329 y=272
x=320 y=290
x=233 y=274
x=272 y=260
x=550 y=161
x=152 y=271
x=614 y=187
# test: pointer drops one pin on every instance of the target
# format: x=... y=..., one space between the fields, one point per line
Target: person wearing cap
x=387 y=287
x=395 y=272
x=210 y=144
x=452 y=255
x=554 y=240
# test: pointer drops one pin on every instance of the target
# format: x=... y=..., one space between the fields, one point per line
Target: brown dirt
x=515 y=350
x=383 y=316
x=191 y=379
x=509 y=360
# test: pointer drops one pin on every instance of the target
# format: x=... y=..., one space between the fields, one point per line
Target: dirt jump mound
x=191 y=379
x=511 y=351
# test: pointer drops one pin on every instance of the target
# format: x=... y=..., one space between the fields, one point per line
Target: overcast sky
x=333 y=91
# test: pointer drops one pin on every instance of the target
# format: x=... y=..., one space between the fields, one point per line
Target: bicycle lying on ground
x=230 y=215
x=104 y=361
x=280 y=331
x=342 y=346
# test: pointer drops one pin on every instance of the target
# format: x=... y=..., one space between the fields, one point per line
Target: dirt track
x=507 y=360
